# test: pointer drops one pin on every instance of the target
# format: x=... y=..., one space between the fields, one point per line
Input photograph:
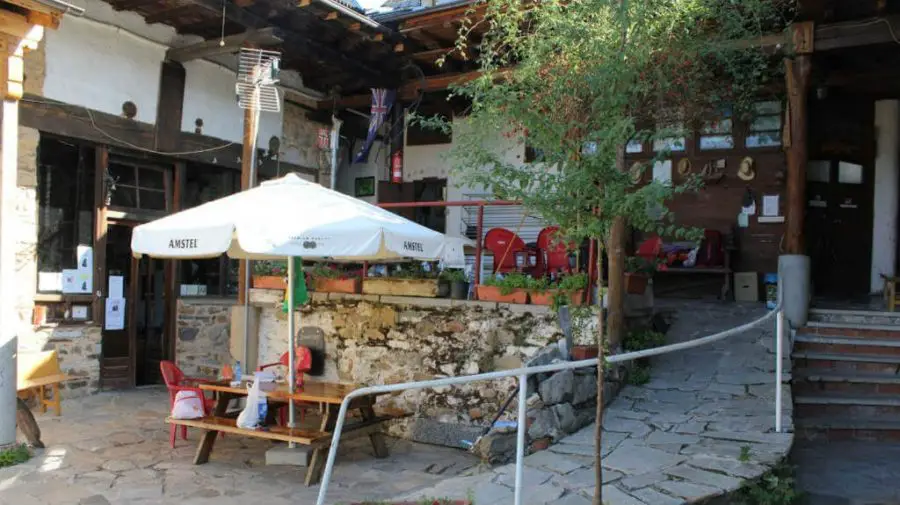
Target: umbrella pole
x=291 y=352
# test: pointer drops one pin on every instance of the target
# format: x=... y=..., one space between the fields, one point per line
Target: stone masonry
x=202 y=347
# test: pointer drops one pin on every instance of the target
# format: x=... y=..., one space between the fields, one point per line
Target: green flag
x=300 y=294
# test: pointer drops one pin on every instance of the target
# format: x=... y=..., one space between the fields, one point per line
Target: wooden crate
x=427 y=288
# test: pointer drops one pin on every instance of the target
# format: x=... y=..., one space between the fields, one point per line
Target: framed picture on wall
x=364 y=186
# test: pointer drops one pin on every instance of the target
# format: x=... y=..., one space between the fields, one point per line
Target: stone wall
x=373 y=340
x=202 y=345
x=78 y=349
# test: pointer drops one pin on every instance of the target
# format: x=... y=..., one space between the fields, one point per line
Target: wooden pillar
x=172 y=269
x=615 y=251
x=797 y=72
x=101 y=159
x=251 y=118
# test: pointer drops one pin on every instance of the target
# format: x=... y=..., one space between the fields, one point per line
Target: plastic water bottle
x=237 y=371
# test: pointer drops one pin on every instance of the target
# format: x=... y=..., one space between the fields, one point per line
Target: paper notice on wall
x=70 y=281
x=80 y=312
x=116 y=286
x=770 y=205
x=662 y=172
x=115 y=314
x=84 y=281
x=85 y=258
x=49 y=282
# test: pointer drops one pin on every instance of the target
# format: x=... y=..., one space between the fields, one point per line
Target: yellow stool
x=890 y=291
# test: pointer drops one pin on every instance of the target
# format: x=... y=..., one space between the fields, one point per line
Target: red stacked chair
x=176 y=381
x=503 y=244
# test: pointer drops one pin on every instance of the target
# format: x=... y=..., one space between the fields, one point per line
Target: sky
x=370 y=4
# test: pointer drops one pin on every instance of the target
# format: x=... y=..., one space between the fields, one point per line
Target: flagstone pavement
x=699 y=428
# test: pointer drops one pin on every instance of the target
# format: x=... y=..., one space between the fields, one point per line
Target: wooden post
x=101 y=159
x=797 y=71
x=247 y=182
x=615 y=253
x=479 y=242
x=172 y=268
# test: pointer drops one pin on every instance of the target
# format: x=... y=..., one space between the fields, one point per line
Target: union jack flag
x=382 y=100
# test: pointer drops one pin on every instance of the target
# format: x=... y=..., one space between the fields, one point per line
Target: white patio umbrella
x=286 y=218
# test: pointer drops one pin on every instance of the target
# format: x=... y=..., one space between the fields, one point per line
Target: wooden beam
x=797 y=72
x=304 y=3
x=170 y=105
x=331 y=16
x=13 y=24
x=354 y=27
x=247 y=19
x=410 y=90
x=880 y=30
x=73 y=121
x=167 y=13
x=433 y=54
x=233 y=43
x=101 y=160
x=399 y=47
x=378 y=37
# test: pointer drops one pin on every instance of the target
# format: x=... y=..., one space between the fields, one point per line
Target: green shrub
x=775 y=487
x=14 y=456
x=644 y=339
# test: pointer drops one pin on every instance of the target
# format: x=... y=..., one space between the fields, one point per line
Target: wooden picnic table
x=328 y=395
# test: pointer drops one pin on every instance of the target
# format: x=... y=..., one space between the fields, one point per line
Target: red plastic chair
x=650 y=249
x=712 y=249
x=503 y=244
x=176 y=381
x=302 y=364
x=556 y=252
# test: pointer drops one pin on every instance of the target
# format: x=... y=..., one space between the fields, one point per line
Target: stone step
x=855 y=317
x=846 y=363
x=841 y=406
x=829 y=428
x=847 y=345
x=887 y=333
x=812 y=383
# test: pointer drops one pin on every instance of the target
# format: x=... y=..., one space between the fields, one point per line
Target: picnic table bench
x=327 y=394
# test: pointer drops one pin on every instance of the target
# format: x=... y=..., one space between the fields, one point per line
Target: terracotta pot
x=326 y=285
x=635 y=283
x=546 y=297
x=269 y=282
x=492 y=294
x=582 y=352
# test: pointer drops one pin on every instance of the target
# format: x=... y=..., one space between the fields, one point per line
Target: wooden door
x=839 y=197
x=117 y=346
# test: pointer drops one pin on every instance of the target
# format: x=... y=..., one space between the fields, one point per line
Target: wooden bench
x=37 y=374
x=329 y=396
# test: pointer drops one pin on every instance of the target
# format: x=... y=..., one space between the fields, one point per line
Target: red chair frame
x=176 y=381
x=556 y=252
x=503 y=245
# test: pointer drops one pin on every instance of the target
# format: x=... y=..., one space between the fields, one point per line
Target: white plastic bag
x=249 y=417
x=188 y=405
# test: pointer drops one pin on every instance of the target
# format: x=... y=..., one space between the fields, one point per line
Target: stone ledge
x=211 y=300
x=536 y=310
x=416 y=301
x=353 y=297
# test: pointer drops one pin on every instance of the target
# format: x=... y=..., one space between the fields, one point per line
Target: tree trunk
x=615 y=251
x=598 y=433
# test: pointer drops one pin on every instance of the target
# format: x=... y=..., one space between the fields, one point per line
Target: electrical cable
x=125 y=142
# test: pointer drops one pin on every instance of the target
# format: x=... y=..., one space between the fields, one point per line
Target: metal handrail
x=522 y=374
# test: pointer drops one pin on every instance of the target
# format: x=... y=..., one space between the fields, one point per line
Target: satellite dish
x=258 y=71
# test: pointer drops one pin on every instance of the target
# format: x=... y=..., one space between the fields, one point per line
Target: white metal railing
x=523 y=373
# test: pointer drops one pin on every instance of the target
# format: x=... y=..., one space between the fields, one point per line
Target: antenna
x=258 y=71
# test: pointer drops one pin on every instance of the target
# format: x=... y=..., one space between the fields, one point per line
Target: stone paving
x=700 y=428
x=848 y=472
x=113 y=448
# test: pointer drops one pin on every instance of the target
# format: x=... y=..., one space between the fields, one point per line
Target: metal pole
x=291 y=373
x=522 y=421
x=479 y=229
x=779 y=343
x=254 y=131
x=332 y=450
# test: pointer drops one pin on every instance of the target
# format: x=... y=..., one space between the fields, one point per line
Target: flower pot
x=493 y=294
x=459 y=290
x=269 y=282
x=400 y=287
x=582 y=352
x=443 y=289
x=327 y=285
x=635 y=283
x=547 y=297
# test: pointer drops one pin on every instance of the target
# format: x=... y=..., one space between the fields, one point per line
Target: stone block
x=495 y=448
x=545 y=356
x=565 y=416
x=544 y=423
x=474 y=304
x=558 y=388
x=284 y=455
x=585 y=388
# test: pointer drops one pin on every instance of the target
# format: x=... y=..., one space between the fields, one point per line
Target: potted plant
x=269 y=275
x=412 y=279
x=459 y=285
x=638 y=271
x=332 y=280
x=511 y=288
x=568 y=291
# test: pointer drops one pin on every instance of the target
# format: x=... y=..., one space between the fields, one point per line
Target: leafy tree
x=580 y=79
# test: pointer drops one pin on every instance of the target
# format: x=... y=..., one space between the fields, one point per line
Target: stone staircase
x=846 y=376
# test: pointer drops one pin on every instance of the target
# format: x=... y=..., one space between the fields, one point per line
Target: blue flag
x=382 y=100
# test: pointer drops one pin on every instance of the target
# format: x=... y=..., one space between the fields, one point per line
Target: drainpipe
x=335 y=146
